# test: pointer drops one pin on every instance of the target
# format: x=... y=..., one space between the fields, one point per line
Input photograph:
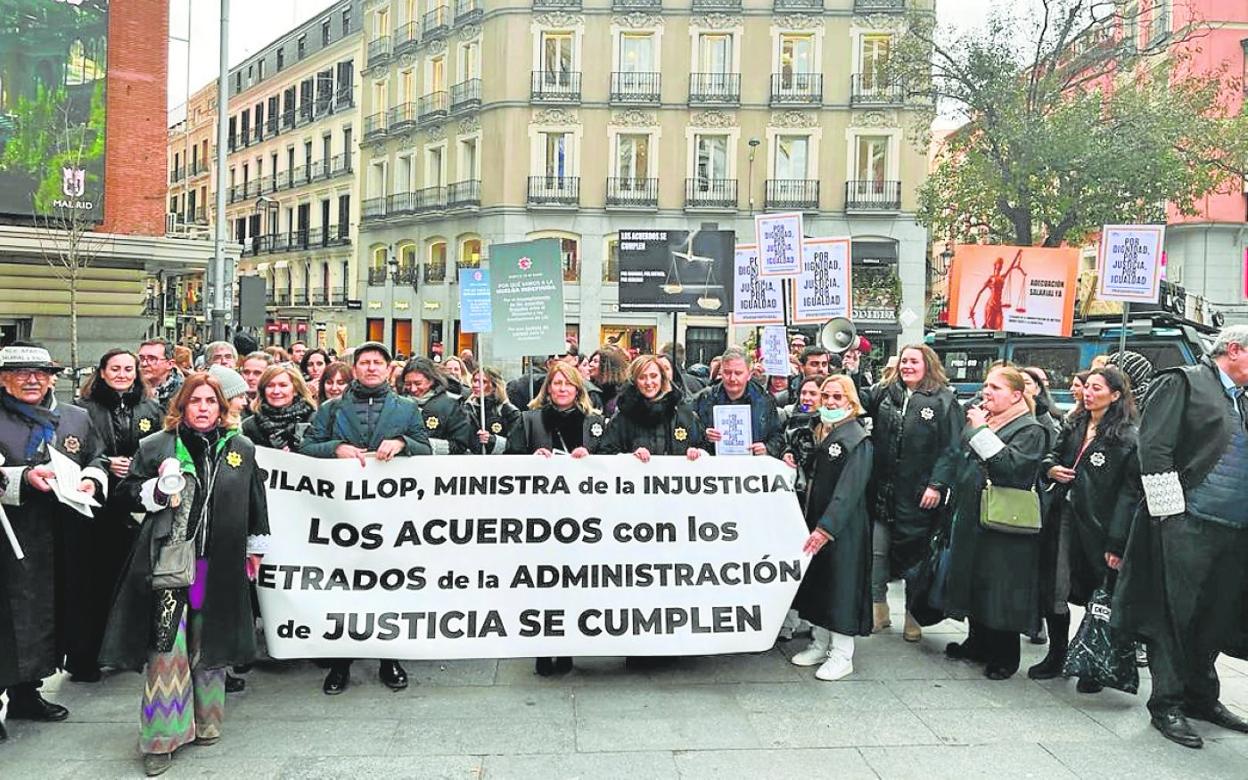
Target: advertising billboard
x=53 y=63
x=1019 y=289
x=676 y=270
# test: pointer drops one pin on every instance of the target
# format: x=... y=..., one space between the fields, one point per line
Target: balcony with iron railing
x=435 y=272
x=878 y=6
x=430 y=199
x=557 y=191
x=872 y=90
x=305 y=112
x=714 y=6
x=406 y=38
x=436 y=23
x=377 y=277
x=792 y=194
x=632 y=193
x=402 y=117
x=466 y=95
x=375 y=126
x=631 y=6
x=873 y=195
x=288 y=119
x=637 y=89
x=407 y=274
x=464 y=194
x=705 y=193
x=434 y=106
x=177 y=174
x=714 y=89
x=338 y=296
x=373 y=208
x=300 y=298
x=281 y=298
x=467 y=12
x=556 y=86
x=796 y=89
x=199 y=168
x=378 y=51
x=320 y=297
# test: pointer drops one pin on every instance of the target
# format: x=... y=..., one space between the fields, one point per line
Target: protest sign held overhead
x=1128 y=265
x=676 y=270
x=756 y=299
x=1011 y=288
x=444 y=557
x=823 y=289
x=774 y=345
x=526 y=290
x=475 y=315
x=779 y=239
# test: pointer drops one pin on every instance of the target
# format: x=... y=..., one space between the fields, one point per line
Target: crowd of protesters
x=1139 y=488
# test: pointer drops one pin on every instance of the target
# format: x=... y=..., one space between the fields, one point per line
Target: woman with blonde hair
x=187 y=626
x=495 y=422
x=994 y=576
x=652 y=417
x=283 y=409
x=835 y=594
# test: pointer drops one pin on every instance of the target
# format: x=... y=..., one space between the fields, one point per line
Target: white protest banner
x=521 y=556
x=779 y=243
x=1128 y=265
x=756 y=299
x=824 y=286
x=775 y=348
x=733 y=422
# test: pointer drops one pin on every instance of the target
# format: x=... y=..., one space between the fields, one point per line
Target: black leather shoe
x=1219 y=715
x=563 y=664
x=1087 y=685
x=336 y=681
x=997 y=673
x=963 y=651
x=1174 y=727
x=35 y=707
x=86 y=675
x=235 y=684
x=544 y=666
x=392 y=675
x=1049 y=668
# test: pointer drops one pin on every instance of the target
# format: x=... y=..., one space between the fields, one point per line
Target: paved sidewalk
x=906 y=713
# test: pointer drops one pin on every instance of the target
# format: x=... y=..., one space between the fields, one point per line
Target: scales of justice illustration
x=710 y=290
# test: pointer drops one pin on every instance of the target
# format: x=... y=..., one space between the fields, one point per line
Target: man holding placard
x=737 y=400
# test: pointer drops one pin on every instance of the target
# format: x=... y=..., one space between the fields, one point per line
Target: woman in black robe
x=1091 y=477
x=448 y=428
x=835 y=594
x=122 y=412
x=495 y=422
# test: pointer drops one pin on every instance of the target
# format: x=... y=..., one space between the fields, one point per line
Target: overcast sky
x=256 y=23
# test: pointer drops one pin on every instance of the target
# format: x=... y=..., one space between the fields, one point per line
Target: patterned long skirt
x=182 y=700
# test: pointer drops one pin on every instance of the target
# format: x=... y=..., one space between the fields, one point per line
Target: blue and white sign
x=474 y=301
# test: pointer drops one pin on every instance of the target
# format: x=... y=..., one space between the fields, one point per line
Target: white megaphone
x=169 y=479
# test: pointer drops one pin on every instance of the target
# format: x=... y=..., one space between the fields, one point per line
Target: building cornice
x=112 y=250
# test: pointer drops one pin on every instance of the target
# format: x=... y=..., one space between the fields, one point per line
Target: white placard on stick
x=774 y=345
x=779 y=243
x=756 y=299
x=824 y=287
x=1128 y=265
x=518 y=556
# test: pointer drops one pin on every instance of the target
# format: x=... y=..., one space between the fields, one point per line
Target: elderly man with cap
x=35 y=523
x=1183 y=579
x=369 y=419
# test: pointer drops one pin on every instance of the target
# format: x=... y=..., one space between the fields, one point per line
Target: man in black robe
x=32 y=609
x=1183 y=573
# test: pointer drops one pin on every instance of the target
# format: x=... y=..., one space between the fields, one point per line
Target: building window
x=435 y=270
x=301 y=46
x=468 y=159
x=325 y=32
x=871 y=158
x=407 y=86
x=611 y=262
x=569 y=249
x=281 y=58
x=873 y=56
x=557 y=52
x=238 y=82
x=346 y=22
x=711 y=157
x=715 y=53
x=792 y=157
x=797 y=54
x=407 y=260
x=403 y=178
x=435 y=166
x=557 y=155
x=637 y=53
x=437 y=74
x=470 y=253
x=469 y=61
x=260 y=70
x=251 y=75
x=632 y=158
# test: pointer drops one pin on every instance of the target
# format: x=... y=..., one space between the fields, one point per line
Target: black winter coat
x=664 y=427
x=446 y=425
x=238 y=510
x=548 y=428
x=500 y=419
x=1095 y=509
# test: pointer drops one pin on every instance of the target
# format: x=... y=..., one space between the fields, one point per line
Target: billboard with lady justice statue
x=53 y=63
x=1019 y=289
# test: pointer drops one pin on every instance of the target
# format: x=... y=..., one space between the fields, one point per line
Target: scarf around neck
x=41 y=420
x=279 y=425
x=998 y=421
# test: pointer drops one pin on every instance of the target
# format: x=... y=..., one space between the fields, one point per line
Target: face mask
x=832 y=416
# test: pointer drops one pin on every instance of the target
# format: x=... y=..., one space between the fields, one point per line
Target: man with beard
x=33 y=630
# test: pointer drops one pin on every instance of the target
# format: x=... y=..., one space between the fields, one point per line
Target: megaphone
x=169 y=479
x=838 y=335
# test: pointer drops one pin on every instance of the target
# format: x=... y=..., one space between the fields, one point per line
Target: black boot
x=337 y=680
x=563 y=664
x=1059 y=640
x=27 y=704
x=544 y=666
x=392 y=675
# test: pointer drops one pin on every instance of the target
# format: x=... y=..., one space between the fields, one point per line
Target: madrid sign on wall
x=53 y=67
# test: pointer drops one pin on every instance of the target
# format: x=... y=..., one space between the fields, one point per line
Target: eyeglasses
x=24 y=374
x=150 y=358
x=836 y=397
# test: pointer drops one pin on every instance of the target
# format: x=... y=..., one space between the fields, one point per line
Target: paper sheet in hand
x=733 y=421
x=65 y=484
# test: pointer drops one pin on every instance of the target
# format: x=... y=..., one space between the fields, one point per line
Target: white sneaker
x=835 y=668
x=817 y=651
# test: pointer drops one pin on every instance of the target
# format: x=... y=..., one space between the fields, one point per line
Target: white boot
x=840 y=661
x=789 y=626
x=817 y=651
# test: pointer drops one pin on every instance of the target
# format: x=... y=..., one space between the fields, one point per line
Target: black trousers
x=1000 y=649
x=1204 y=573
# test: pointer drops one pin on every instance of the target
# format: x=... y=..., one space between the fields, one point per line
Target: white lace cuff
x=101 y=479
x=12 y=494
x=986 y=444
x=257 y=544
x=1164 y=494
x=440 y=446
x=500 y=445
x=147 y=496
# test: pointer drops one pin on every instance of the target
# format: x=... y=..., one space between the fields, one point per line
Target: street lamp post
x=220 y=309
x=754 y=142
